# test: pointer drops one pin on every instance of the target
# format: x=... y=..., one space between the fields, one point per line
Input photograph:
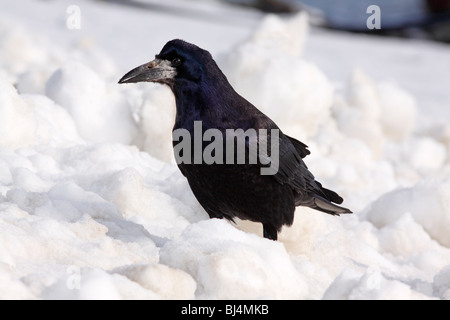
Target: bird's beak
x=157 y=70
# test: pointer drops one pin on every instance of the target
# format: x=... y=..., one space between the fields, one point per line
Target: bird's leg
x=270 y=232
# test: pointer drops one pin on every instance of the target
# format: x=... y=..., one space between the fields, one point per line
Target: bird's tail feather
x=329 y=194
x=324 y=205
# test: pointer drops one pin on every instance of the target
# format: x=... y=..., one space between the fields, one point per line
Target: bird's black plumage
x=203 y=93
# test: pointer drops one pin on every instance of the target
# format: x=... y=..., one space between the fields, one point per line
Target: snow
x=92 y=104
x=92 y=205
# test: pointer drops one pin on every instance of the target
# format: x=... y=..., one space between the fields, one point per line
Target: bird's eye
x=176 y=62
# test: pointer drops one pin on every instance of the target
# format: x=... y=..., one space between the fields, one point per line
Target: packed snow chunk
x=444 y=134
x=166 y=282
x=230 y=264
x=92 y=285
x=12 y=288
x=398 y=111
x=290 y=90
x=371 y=285
x=45 y=230
x=27 y=120
x=341 y=287
x=95 y=284
x=100 y=111
x=20 y=50
x=362 y=94
x=425 y=154
x=125 y=188
x=358 y=112
x=33 y=81
x=441 y=284
x=55 y=125
x=328 y=248
x=288 y=35
x=18 y=122
x=372 y=112
x=29 y=180
x=156 y=119
x=427 y=202
x=155 y=210
x=405 y=237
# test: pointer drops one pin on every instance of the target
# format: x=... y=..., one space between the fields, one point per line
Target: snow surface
x=92 y=205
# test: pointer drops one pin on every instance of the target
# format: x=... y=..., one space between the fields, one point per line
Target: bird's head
x=178 y=61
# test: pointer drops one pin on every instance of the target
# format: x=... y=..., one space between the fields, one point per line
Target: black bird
x=203 y=93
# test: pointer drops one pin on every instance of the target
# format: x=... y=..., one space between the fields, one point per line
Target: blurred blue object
x=352 y=14
x=411 y=18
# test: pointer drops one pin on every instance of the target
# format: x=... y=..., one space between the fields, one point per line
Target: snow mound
x=428 y=203
x=371 y=112
x=271 y=59
x=18 y=121
x=156 y=111
x=92 y=205
x=223 y=258
x=33 y=119
x=100 y=112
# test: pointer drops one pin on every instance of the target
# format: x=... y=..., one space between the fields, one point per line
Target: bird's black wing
x=299 y=146
x=294 y=172
x=291 y=168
